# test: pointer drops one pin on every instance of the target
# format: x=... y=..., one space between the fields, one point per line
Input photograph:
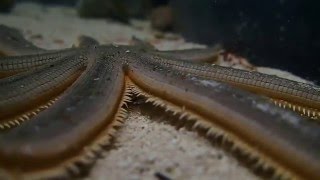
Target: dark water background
x=278 y=33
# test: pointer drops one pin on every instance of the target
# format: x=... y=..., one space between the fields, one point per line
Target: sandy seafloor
x=144 y=146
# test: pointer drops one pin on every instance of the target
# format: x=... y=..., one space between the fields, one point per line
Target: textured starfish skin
x=92 y=83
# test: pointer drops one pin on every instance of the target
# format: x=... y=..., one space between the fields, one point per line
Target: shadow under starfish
x=73 y=99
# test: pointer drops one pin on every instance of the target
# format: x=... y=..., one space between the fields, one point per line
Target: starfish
x=59 y=109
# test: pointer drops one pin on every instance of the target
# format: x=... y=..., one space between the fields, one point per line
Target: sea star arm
x=15 y=64
x=25 y=56
x=81 y=122
x=142 y=44
x=12 y=43
x=25 y=95
x=72 y=130
x=86 y=41
x=303 y=96
x=193 y=55
x=278 y=138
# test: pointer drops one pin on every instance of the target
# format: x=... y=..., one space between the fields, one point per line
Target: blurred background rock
x=277 y=33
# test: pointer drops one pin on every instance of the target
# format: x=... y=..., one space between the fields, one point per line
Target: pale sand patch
x=144 y=146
